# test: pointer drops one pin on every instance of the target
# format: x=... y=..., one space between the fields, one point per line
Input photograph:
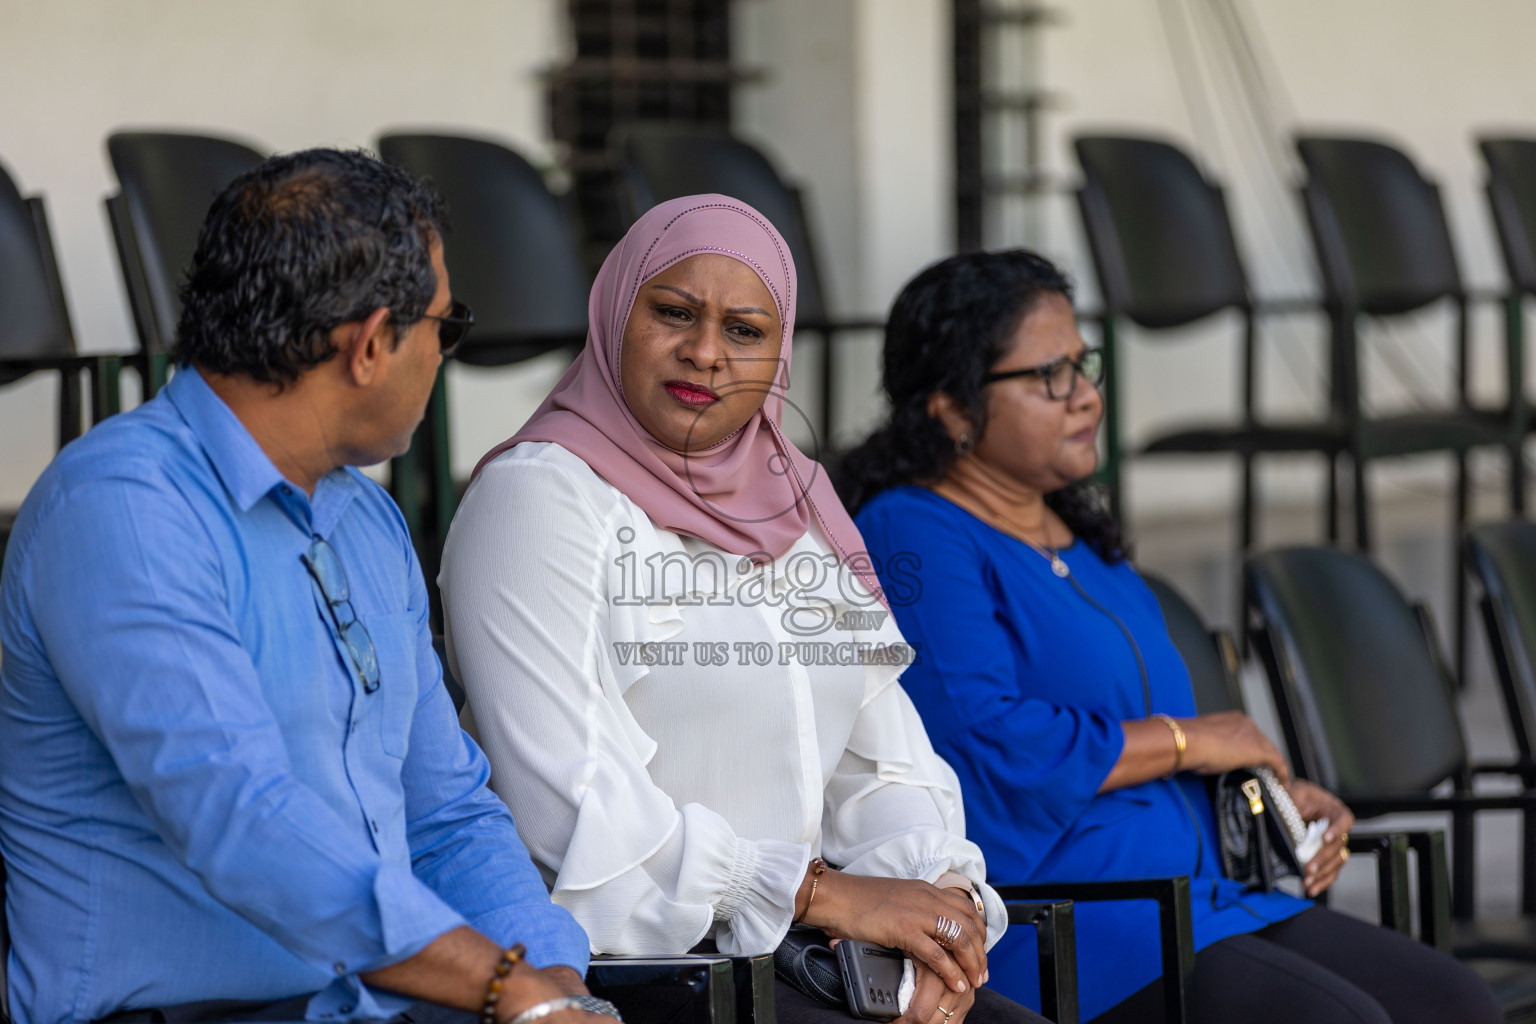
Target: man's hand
x=904 y=914
x=1315 y=803
x=455 y=970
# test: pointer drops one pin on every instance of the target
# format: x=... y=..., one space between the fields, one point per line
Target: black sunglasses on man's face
x=453 y=326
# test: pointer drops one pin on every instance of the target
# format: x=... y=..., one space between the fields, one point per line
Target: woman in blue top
x=1046 y=676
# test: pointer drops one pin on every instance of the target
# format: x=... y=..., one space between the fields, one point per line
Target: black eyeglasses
x=325 y=567
x=453 y=326
x=1060 y=375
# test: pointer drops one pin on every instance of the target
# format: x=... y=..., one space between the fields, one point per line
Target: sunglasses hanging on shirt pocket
x=1262 y=836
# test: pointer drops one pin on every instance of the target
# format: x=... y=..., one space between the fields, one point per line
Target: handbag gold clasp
x=1255 y=801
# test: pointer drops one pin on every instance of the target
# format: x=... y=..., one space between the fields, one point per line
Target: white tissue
x=907 y=987
x=1311 y=842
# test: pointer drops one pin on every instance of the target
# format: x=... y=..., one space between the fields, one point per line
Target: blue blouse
x=1022 y=685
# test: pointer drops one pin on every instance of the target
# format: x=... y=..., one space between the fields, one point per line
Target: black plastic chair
x=1165 y=256
x=666 y=161
x=35 y=331
x=166 y=182
x=514 y=255
x=1512 y=198
x=1368 y=709
x=1384 y=247
x=1501 y=557
x=1210 y=655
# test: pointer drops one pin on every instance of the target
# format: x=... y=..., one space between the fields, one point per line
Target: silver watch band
x=591 y=1004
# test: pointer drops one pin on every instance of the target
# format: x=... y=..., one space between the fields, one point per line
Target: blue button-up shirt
x=198 y=800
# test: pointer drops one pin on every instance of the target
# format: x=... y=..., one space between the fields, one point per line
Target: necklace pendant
x=1059 y=567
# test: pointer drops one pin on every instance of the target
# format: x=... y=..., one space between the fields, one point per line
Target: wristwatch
x=955 y=880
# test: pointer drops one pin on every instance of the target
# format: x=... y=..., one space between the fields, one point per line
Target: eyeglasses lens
x=1061 y=381
x=454 y=328
x=1093 y=366
x=329 y=573
x=325 y=566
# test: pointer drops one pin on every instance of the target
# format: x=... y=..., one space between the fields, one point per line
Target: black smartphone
x=871 y=976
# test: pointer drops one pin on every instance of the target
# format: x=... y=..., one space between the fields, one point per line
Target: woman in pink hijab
x=674 y=652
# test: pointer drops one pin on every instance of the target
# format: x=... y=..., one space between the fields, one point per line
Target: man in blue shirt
x=229 y=770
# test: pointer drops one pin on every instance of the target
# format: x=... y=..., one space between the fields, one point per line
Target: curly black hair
x=298 y=246
x=949 y=326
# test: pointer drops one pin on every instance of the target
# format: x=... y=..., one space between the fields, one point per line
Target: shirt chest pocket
x=394 y=703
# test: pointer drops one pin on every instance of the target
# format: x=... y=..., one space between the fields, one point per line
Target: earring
x=965 y=445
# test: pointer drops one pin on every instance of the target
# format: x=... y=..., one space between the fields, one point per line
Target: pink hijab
x=752 y=493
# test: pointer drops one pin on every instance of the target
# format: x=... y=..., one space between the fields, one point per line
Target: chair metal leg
x=69 y=405
x=828 y=393
x=1391 y=852
x=1056 y=950
x=1528 y=864
x=106 y=388
x=1434 y=889
x=1362 y=506
x=1458 y=575
x=1463 y=865
x=1331 y=523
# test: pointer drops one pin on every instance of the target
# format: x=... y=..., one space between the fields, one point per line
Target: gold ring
x=947 y=1014
x=1344 y=855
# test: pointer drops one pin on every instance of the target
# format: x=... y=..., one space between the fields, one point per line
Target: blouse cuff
x=756 y=907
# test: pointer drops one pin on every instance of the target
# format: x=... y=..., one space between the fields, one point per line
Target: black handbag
x=806 y=962
x=1258 y=827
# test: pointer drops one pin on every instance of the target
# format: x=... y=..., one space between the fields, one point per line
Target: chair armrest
x=1372 y=806
x=1175 y=930
x=686 y=989
x=1518 y=769
x=1056 y=947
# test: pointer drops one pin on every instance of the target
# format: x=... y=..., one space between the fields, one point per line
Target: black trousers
x=1321 y=967
x=793 y=1008
x=989 y=1008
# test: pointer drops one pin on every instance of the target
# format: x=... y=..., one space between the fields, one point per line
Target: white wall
x=1423 y=74
x=283 y=73
x=854 y=104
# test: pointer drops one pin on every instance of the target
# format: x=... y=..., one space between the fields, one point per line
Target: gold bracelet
x=818 y=868
x=1180 y=742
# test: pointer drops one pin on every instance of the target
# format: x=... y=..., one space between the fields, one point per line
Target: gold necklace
x=1048 y=552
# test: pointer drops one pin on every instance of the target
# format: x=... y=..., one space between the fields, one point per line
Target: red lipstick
x=695 y=396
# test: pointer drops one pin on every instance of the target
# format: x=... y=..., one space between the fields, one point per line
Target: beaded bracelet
x=509 y=959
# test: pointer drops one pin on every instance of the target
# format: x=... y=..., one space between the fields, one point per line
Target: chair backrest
x=1512 y=195
x=34 y=320
x=512 y=252
x=1160 y=236
x=666 y=161
x=1502 y=557
x=1362 y=694
x=168 y=181
x=1209 y=656
x=1378 y=226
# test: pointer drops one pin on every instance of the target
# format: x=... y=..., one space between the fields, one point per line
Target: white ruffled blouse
x=677 y=730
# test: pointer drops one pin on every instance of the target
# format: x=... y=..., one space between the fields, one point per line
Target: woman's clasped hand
x=904 y=914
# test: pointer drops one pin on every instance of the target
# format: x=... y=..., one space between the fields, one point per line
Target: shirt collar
x=244 y=469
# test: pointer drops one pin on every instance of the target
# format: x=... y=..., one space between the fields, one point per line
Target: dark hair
x=298 y=246
x=948 y=327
